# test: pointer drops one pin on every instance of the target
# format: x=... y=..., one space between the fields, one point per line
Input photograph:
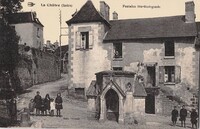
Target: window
x=117 y=68
x=169 y=48
x=169 y=74
x=80 y=91
x=85 y=40
x=117 y=50
x=38 y=32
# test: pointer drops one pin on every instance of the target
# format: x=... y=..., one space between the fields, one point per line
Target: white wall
x=84 y=64
x=28 y=34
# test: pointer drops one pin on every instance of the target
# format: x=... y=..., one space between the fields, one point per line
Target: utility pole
x=60 y=20
x=60 y=38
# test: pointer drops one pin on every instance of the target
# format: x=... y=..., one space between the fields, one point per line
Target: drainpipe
x=197 y=47
x=199 y=92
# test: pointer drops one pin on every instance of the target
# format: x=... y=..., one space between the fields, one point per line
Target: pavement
x=75 y=114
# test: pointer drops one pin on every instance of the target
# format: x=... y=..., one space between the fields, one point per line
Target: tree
x=9 y=47
x=9 y=40
x=10 y=6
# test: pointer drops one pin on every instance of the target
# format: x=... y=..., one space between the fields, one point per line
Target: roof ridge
x=148 y=18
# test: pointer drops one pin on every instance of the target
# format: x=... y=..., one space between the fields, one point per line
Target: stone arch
x=103 y=103
x=112 y=105
x=111 y=86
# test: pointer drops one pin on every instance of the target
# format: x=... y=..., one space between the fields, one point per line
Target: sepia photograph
x=128 y=64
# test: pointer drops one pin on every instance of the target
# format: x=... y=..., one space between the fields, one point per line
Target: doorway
x=150 y=104
x=112 y=105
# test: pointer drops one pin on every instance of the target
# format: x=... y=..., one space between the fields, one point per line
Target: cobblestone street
x=75 y=115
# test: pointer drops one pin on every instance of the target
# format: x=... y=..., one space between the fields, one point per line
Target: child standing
x=42 y=107
x=59 y=106
x=31 y=106
x=52 y=107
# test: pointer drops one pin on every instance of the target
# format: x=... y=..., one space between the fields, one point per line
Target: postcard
x=99 y=64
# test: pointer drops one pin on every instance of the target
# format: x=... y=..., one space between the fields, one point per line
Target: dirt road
x=75 y=114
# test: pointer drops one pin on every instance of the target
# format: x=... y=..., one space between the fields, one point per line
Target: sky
x=48 y=12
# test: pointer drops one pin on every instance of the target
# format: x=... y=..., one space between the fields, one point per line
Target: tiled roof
x=87 y=13
x=23 y=17
x=160 y=27
x=91 y=89
x=139 y=90
x=197 y=40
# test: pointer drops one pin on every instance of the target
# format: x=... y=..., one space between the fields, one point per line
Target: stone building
x=161 y=51
x=115 y=95
x=28 y=27
x=35 y=65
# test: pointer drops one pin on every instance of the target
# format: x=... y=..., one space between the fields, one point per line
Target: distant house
x=35 y=65
x=28 y=27
x=50 y=47
x=161 y=51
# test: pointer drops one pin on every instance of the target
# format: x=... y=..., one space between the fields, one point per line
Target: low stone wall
x=36 y=67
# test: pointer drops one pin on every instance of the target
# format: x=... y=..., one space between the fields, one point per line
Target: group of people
x=47 y=105
x=183 y=115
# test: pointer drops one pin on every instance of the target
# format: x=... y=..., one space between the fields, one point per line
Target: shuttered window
x=161 y=74
x=84 y=40
x=178 y=74
x=169 y=74
x=91 y=39
x=78 y=41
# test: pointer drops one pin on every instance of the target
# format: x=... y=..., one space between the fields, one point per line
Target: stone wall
x=36 y=67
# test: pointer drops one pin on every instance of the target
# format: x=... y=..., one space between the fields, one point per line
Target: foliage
x=9 y=52
x=9 y=47
x=10 y=6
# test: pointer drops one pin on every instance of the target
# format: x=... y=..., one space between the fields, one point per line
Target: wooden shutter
x=91 y=39
x=161 y=74
x=177 y=74
x=78 y=40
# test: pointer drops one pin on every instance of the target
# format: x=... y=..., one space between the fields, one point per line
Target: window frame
x=169 y=50
x=172 y=74
x=85 y=46
x=79 y=46
x=120 y=57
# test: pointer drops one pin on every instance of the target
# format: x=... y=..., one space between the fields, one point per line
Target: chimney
x=189 y=12
x=48 y=43
x=115 y=16
x=104 y=10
